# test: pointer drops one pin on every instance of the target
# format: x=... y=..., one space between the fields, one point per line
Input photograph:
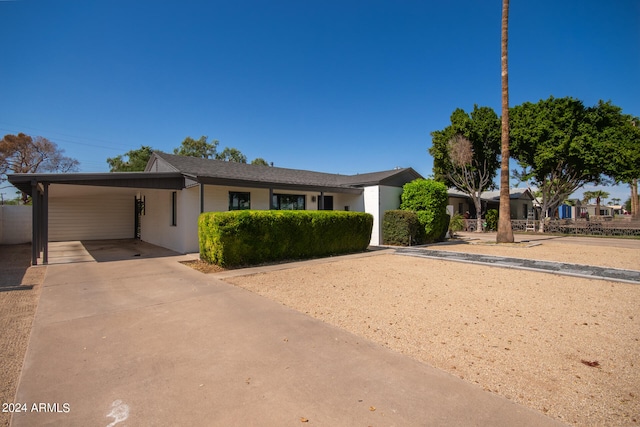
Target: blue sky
x=334 y=86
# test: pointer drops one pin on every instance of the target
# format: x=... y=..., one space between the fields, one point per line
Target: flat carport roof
x=37 y=186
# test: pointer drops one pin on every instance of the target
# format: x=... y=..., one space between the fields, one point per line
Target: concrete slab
x=565 y=269
x=153 y=342
x=102 y=251
x=67 y=252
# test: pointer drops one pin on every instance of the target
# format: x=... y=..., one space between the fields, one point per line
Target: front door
x=327 y=204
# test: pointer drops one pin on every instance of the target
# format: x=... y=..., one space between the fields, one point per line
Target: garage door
x=91 y=217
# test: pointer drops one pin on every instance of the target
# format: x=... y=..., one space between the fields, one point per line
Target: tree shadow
x=14 y=262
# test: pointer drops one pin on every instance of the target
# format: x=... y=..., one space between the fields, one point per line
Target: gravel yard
x=19 y=291
x=565 y=346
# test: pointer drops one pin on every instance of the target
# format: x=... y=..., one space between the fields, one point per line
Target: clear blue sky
x=334 y=85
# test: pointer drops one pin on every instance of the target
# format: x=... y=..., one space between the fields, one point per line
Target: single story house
x=161 y=205
x=522 y=202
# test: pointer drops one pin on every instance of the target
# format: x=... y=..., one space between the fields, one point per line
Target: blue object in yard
x=564 y=211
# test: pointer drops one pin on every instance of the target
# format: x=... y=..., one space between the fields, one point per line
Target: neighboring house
x=161 y=205
x=521 y=200
x=605 y=210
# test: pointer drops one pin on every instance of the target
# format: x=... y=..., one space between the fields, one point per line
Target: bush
x=491 y=219
x=456 y=223
x=402 y=228
x=252 y=237
x=428 y=198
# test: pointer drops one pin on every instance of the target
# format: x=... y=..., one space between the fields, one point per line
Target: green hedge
x=252 y=237
x=428 y=198
x=402 y=228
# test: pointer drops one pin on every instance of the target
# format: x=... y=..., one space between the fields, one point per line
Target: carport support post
x=201 y=198
x=271 y=198
x=35 y=213
x=45 y=225
x=321 y=201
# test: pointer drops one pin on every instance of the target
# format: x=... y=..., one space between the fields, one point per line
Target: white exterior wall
x=377 y=200
x=155 y=224
x=96 y=214
x=372 y=206
x=15 y=224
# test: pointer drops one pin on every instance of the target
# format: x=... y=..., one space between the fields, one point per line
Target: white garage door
x=92 y=217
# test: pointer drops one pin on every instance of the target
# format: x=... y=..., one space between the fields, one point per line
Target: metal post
x=34 y=223
x=201 y=198
x=45 y=224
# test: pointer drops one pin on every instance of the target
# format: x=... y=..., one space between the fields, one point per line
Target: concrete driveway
x=149 y=341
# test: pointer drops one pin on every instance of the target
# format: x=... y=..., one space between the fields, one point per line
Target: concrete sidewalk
x=153 y=342
x=562 y=268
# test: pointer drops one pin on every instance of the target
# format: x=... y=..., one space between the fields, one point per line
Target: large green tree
x=231 y=155
x=561 y=145
x=198 y=148
x=622 y=140
x=466 y=153
x=131 y=161
x=22 y=153
x=136 y=160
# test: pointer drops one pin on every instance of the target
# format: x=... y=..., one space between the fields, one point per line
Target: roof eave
x=277 y=185
x=162 y=180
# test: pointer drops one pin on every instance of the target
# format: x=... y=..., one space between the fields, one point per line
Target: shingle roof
x=222 y=172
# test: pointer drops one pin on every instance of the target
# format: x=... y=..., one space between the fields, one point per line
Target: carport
x=38 y=186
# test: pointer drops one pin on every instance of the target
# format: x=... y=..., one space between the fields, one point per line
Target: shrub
x=252 y=237
x=456 y=223
x=491 y=220
x=428 y=198
x=402 y=228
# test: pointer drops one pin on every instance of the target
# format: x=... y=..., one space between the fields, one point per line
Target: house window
x=239 y=201
x=174 y=208
x=289 y=202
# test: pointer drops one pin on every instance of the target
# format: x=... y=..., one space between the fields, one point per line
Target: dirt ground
x=20 y=287
x=565 y=346
x=562 y=345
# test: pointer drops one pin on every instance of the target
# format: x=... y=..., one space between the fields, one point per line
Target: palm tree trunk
x=505 y=231
x=634 y=198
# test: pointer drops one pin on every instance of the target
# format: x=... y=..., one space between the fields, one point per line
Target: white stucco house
x=161 y=205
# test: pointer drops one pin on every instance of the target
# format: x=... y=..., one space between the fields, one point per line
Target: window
x=174 y=208
x=239 y=201
x=289 y=202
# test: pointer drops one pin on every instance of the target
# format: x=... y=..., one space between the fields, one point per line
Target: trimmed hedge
x=402 y=228
x=252 y=237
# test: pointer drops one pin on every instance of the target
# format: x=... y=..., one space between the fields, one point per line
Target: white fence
x=15 y=224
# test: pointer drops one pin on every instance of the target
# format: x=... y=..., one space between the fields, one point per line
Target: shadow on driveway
x=123 y=249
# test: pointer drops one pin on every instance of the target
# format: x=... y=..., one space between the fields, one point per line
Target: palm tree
x=598 y=195
x=505 y=232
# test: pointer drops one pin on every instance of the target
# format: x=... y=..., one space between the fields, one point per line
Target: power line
x=113 y=146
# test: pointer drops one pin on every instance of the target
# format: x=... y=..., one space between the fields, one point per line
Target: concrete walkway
x=149 y=341
x=562 y=268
